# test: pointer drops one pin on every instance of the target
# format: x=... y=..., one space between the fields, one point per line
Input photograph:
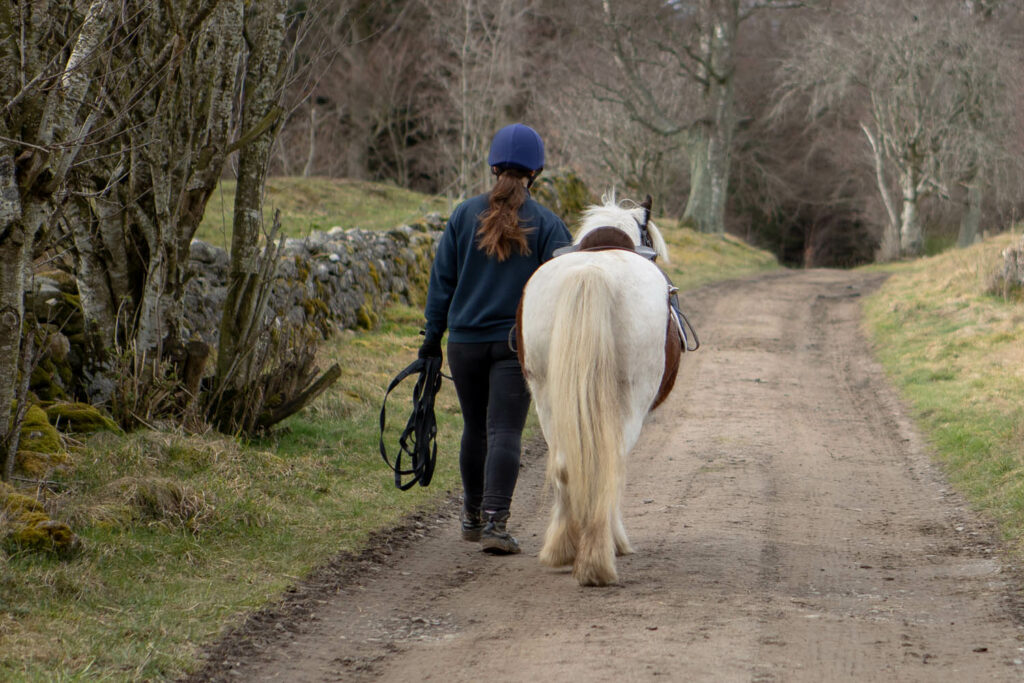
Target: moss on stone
x=315 y=307
x=374 y=274
x=37 y=434
x=39 y=465
x=15 y=504
x=565 y=193
x=366 y=317
x=80 y=418
x=40 y=533
x=28 y=527
x=301 y=269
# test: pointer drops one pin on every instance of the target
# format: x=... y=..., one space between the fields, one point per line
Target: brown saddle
x=608 y=237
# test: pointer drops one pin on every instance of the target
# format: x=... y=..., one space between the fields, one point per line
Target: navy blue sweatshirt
x=474 y=295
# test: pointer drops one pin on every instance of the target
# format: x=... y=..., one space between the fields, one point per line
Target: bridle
x=645 y=234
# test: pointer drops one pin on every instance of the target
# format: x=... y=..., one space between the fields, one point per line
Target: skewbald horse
x=599 y=351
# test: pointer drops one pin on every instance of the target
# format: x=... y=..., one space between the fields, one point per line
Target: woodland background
x=832 y=133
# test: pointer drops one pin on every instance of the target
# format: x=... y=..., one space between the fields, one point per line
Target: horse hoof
x=551 y=558
x=593 y=576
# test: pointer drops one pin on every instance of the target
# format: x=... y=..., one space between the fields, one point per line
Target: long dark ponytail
x=500 y=230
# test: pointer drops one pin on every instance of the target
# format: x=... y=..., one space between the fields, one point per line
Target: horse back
x=647 y=340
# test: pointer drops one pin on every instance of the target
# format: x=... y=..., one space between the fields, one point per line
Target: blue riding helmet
x=519 y=146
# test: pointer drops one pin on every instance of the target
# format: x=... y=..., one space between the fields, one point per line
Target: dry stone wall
x=339 y=277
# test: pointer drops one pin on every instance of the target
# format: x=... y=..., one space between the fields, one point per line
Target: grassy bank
x=183 y=535
x=957 y=355
x=320 y=204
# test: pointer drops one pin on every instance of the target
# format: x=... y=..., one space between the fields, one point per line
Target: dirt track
x=787 y=522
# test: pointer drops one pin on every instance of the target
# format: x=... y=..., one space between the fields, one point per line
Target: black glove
x=431 y=349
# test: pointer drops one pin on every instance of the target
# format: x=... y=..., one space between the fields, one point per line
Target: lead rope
x=419 y=439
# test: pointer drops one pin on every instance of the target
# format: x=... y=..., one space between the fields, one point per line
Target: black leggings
x=494 y=400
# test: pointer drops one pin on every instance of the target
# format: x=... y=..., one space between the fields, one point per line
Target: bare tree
x=248 y=360
x=656 y=52
x=479 y=70
x=49 y=55
x=931 y=90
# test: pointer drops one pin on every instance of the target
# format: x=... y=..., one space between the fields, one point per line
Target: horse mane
x=626 y=215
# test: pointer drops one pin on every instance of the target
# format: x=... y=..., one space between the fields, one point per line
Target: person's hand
x=430 y=349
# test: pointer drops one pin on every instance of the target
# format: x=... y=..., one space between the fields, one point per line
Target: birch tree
x=479 y=72
x=931 y=88
x=658 y=50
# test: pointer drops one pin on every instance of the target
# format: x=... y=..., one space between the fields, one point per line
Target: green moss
x=42 y=381
x=303 y=269
x=565 y=193
x=366 y=318
x=42 y=534
x=72 y=300
x=375 y=274
x=80 y=418
x=15 y=504
x=39 y=465
x=37 y=434
x=28 y=527
x=316 y=308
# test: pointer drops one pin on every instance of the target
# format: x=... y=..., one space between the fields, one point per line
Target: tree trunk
x=911 y=234
x=47 y=114
x=264 y=26
x=709 y=147
x=889 y=247
x=307 y=170
x=15 y=253
x=91 y=276
x=709 y=140
x=971 y=219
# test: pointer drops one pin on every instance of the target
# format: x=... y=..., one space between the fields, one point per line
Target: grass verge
x=320 y=204
x=182 y=536
x=957 y=355
x=698 y=259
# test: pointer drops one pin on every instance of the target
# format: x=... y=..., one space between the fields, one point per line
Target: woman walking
x=491 y=246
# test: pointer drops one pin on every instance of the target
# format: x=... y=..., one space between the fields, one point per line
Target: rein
x=419 y=439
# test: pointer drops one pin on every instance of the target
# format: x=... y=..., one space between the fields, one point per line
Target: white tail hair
x=587 y=454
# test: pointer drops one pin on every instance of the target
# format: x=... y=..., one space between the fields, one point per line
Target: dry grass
x=957 y=353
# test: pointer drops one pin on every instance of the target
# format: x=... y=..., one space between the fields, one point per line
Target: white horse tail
x=585 y=386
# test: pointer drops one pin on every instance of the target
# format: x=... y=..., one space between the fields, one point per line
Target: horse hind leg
x=561 y=538
x=622 y=545
x=595 y=559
